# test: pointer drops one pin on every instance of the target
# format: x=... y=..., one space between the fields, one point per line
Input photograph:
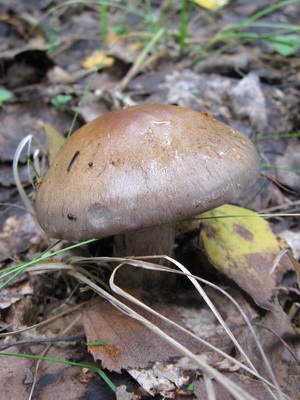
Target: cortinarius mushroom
x=135 y=171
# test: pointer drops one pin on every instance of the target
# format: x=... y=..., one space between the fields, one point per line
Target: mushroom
x=136 y=171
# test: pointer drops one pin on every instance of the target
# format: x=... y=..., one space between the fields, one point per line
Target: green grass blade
x=297 y=171
x=98 y=370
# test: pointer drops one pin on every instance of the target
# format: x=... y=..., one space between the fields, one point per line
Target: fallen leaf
x=123 y=394
x=20 y=119
x=12 y=295
x=165 y=378
x=148 y=358
x=249 y=102
x=18 y=233
x=54 y=139
x=243 y=248
x=98 y=58
x=59 y=75
x=292 y=238
x=211 y=4
x=296 y=265
x=129 y=343
x=291 y=161
x=14 y=373
x=274 y=325
x=250 y=385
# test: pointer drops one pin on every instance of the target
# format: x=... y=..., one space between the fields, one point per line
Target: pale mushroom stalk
x=138 y=170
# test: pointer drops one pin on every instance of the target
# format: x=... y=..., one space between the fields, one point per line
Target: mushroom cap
x=143 y=166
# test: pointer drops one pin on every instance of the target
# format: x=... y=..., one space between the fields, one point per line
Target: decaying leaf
x=165 y=378
x=14 y=294
x=296 y=265
x=252 y=386
x=54 y=139
x=129 y=343
x=275 y=325
x=18 y=234
x=123 y=394
x=292 y=238
x=289 y=160
x=157 y=366
x=243 y=248
x=13 y=374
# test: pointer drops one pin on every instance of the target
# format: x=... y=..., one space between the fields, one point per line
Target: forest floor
x=62 y=65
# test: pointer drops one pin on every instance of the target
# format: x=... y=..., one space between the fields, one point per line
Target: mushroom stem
x=158 y=240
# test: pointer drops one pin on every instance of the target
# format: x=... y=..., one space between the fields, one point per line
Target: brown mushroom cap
x=143 y=166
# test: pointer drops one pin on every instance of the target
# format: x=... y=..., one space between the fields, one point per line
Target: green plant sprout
x=61 y=99
x=285 y=45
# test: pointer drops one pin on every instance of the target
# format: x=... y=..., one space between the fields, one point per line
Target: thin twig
x=40 y=341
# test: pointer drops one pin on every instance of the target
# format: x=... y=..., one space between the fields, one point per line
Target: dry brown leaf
x=12 y=295
x=275 y=324
x=129 y=343
x=296 y=265
x=165 y=378
x=15 y=374
x=289 y=160
x=18 y=234
x=133 y=346
x=54 y=380
x=252 y=386
x=59 y=75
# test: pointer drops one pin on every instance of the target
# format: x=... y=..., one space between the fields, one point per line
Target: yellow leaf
x=211 y=4
x=98 y=57
x=241 y=245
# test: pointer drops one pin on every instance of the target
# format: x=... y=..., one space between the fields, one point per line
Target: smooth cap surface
x=143 y=166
